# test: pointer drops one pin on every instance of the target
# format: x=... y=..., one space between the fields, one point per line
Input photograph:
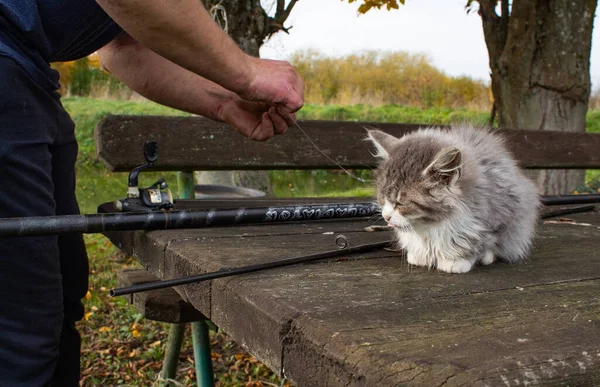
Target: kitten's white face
x=393 y=217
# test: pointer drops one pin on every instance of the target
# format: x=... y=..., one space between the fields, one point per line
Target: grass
x=121 y=348
x=393 y=113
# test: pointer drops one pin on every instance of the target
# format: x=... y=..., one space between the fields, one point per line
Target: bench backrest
x=197 y=143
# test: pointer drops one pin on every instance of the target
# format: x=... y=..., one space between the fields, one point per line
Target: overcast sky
x=440 y=28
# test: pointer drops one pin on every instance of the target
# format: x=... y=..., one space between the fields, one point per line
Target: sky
x=442 y=29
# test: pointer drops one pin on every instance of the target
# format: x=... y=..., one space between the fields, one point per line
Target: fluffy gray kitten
x=455 y=197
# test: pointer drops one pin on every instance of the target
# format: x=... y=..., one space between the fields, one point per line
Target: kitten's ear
x=383 y=142
x=446 y=165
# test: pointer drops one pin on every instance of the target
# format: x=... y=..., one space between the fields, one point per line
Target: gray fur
x=457 y=197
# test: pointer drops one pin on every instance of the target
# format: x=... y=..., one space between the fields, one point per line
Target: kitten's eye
x=401 y=204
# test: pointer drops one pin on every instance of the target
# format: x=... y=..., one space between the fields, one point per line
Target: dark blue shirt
x=36 y=32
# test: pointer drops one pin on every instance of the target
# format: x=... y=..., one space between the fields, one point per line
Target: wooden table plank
x=481 y=339
x=378 y=321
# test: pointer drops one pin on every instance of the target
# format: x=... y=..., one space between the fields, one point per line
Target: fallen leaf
x=87 y=315
x=104 y=329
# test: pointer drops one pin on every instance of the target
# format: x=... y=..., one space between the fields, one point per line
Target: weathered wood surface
x=164 y=305
x=196 y=143
x=373 y=320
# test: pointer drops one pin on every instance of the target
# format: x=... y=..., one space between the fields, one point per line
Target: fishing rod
x=564 y=200
x=341 y=242
x=194 y=219
x=180 y=219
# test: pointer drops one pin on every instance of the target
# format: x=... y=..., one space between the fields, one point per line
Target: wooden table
x=374 y=320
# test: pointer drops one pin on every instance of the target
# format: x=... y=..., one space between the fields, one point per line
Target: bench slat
x=197 y=143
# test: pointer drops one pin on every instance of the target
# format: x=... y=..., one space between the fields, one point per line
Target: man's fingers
x=292 y=105
x=289 y=118
x=279 y=124
x=264 y=130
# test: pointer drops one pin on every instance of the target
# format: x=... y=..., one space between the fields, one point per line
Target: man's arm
x=162 y=81
x=183 y=32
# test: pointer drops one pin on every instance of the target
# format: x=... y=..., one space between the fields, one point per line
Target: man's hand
x=276 y=83
x=255 y=120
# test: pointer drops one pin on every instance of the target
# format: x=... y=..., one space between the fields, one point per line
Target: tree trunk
x=249 y=25
x=540 y=62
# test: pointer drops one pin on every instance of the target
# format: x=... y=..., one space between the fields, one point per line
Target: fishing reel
x=153 y=198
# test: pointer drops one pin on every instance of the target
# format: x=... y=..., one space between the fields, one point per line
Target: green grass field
x=121 y=348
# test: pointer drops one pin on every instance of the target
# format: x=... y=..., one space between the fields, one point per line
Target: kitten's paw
x=454 y=266
x=415 y=260
x=488 y=258
x=378 y=228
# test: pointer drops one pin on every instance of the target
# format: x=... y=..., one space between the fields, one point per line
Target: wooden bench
x=377 y=333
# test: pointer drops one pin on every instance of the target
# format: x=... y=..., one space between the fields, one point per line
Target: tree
x=249 y=25
x=539 y=55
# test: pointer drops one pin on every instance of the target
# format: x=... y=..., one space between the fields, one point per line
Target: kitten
x=455 y=197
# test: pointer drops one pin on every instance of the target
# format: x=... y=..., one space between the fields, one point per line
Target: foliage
x=368 y=4
x=393 y=113
x=593 y=121
x=366 y=78
x=377 y=78
x=86 y=77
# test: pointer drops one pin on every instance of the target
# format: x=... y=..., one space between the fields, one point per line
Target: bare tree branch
x=494 y=27
x=281 y=16
x=495 y=32
x=487 y=11
x=504 y=7
x=280 y=7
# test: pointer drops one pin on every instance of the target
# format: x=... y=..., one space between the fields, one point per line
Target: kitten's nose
x=386 y=217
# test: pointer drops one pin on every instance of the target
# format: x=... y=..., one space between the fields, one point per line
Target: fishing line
x=329 y=158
